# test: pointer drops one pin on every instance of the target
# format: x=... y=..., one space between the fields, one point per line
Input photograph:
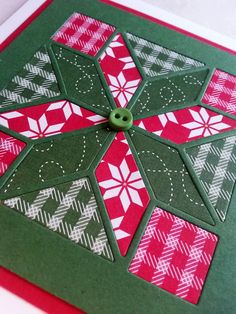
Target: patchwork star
x=133 y=156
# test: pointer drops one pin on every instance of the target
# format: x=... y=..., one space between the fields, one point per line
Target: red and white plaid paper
x=10 y=148
x=84 y=33
x=221 y=92
x=174 y=255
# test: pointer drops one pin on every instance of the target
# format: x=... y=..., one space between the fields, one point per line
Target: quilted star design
x=174 y=255
x=120 y=71
x=187 y=124
x=123 y=191
x=49 y=119
x=131 y=170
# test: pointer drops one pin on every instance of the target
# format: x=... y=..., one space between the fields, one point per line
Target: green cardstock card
x=118 y=163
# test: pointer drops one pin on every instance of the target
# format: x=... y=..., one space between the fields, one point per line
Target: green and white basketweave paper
x=128 y=210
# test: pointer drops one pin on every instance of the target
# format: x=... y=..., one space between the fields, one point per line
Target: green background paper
x=73 y=273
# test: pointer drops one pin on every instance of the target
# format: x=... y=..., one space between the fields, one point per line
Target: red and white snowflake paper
x=221 y=92
x=120 y=71
x=187 y=124
x=84 y=33
x=174 y=255
x=10 y=148
x=123 y=191
x=49 y=119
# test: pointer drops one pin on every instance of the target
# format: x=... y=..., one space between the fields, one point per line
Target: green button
x=121 y=119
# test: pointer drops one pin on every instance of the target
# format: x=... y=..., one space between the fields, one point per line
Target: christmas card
x=118 y=163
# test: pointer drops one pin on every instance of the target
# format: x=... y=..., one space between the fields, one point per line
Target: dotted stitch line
x=146 y=102
x=171 y=97
x=172 y=150
x=75 y=62
x=83 y=154
x=168 y=99
x=99 y=105
x=194 y=82
x=97 y=139
x=183 y=173
x=85 y=75
x=44 y=150
x=81 y=67
x=10 y=182
x=165 y=170
x=46 y=163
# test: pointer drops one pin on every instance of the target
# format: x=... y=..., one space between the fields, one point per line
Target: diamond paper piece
x=120 y=71
x=187 y=124
x=123 y=191
x=49 y=119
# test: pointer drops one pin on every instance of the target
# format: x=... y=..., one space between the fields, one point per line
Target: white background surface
x=191 y=19
x=216 y=15
x=8 y=7
x=11 y=304
x=15 y=13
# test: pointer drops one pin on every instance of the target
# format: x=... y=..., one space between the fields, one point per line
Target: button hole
x=125 y=119
x=117 y=116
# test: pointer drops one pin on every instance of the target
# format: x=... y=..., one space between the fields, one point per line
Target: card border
x=9 y=32
x=196 y=30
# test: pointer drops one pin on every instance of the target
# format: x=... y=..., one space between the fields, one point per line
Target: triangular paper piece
x=69 y=209
x=157 y=60
x=35 y=81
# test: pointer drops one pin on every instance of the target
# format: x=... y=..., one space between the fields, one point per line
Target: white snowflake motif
x=121 y=89
x=110 y=49
x=42 y=127
x=124 y=184
x=204 y=124
x=129 y=63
